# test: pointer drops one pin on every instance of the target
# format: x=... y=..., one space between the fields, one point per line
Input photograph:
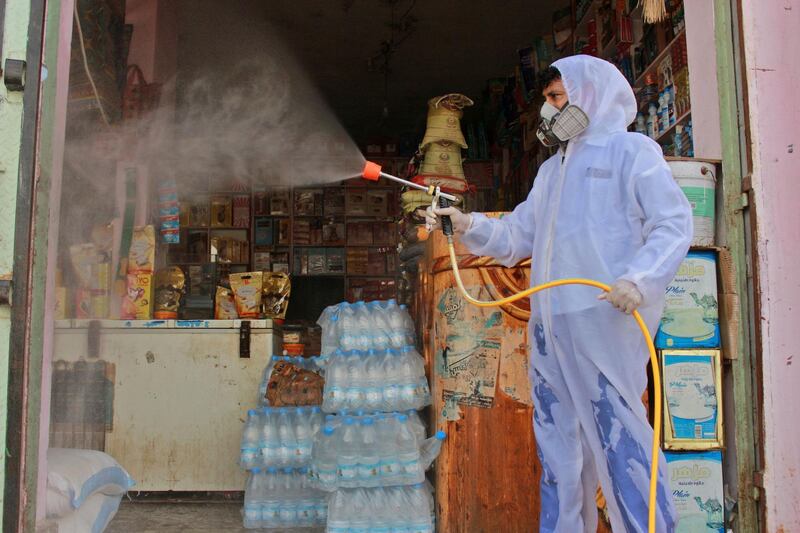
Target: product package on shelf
x=291 y=381
x=697 y=490
x=282 y=499
x=408 y=508
x=368 y=451
x=279 y=437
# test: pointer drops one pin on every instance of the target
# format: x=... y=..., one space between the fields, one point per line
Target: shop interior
x=213 y=146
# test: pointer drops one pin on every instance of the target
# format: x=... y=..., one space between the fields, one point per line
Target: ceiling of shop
x=456 y=46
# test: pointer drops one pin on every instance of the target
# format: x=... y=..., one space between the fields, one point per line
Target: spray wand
x=372 y=171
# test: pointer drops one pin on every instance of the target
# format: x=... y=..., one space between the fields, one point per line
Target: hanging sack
x=139 y=96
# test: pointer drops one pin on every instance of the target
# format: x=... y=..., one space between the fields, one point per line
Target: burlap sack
x=444 y=119
x=290 y=385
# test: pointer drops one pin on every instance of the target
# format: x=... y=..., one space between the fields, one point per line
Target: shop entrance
x=207 y=145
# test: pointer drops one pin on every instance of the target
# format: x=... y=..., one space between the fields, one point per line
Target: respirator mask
x=557 y=126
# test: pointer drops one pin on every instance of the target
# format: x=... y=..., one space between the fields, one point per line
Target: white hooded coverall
x=605 y=208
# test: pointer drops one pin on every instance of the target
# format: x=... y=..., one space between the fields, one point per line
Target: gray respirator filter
x=559 y=126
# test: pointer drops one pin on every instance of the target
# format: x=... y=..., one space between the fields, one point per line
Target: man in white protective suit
x=605 y=207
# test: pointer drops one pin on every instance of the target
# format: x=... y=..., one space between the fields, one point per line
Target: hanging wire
x=86 y=66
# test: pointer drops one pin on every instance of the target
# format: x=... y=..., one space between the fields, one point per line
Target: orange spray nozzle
x=372 y=171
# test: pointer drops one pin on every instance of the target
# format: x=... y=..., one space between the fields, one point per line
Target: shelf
x=378 y=276
x=671 y=129
x=319 y=245
x=582 y=24
x=329 y=275
x=653 y=64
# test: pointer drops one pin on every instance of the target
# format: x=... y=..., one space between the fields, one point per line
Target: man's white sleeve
x=666 y=228
x=508 y=239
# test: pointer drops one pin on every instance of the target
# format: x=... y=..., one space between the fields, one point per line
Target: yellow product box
x=62 y=299
x=136 y=305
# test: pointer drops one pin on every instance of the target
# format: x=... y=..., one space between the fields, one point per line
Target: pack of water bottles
x=380 y=450
x=408 y=509
x=385 y=380
x=310 y=364
x=377 y=325
x=279 y=436
x=283 y=499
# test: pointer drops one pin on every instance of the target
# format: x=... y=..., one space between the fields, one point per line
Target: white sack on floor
x=92 y=517
x=74 y=475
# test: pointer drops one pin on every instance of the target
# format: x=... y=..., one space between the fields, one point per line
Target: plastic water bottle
x=305 y=500
x=269 y=440
x=252 y=501
x=408 y=452
x=354 y=390
x=288 y=505
x=408 y=325
x=385 y=433
x=325 y=460
x=430 y=449
x=408 y=379
x=391 y=387
x=369 y=463
x=419 y=509
x=338 y=513
x=249 y=447
x=364 y=327
x=416 y=425
x=288 y=443
x=348 y=328
x=348 y=453
x=335 y=382
x=271 y=508
x=315 y=420
x=373 y=378
x=395 y=320
x=303 y=435
x=380 y=326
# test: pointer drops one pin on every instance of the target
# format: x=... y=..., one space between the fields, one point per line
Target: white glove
x=624 y=295
x=461 y=221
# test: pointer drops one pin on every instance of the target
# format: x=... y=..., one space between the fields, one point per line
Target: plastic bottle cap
x=402 y=418
x=407 y=349
x=272 y=470
x=441 y=435
x=302 y=470
x=287 y=470
x=251 y=412
x=328 y=418
x=392 y=301
x=328 y=430
x=367 y=422
x=256 y=470
x=403 y=306
x=360 y=412
x=349 y=421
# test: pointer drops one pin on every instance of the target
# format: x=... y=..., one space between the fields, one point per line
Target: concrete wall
x=771 y=42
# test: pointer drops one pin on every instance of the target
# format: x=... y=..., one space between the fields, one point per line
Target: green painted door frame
x=733 y=234
x=26 y=120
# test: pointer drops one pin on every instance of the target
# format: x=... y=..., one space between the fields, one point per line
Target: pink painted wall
x=771 y=44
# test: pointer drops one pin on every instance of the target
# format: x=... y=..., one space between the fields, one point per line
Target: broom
x=653 y=10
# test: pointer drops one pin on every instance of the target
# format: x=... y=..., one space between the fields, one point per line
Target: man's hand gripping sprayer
x=373 y=172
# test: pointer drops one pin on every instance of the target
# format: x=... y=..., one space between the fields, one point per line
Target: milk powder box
x=692 y=397
x=695 y=480
x=691 y=313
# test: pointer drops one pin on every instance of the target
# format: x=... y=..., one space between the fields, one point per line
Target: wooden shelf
x=671 y=129
x=654 y=64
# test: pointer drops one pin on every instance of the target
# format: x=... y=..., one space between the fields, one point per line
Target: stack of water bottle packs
x=276 y=449
x=283 y=499
x=380 y=450
x=406 y=508
x=372 y=363
x=373 y=454
x=279 y=436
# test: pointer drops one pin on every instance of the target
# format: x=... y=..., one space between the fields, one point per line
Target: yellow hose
x=651 y=521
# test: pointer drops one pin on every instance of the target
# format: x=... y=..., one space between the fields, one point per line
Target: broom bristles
x=653 y=11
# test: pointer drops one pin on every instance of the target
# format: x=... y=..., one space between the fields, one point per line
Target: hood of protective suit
x=600 y=89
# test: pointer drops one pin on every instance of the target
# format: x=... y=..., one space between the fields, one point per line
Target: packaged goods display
x=282 y=499
x=405 y=508
x=279 y=436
